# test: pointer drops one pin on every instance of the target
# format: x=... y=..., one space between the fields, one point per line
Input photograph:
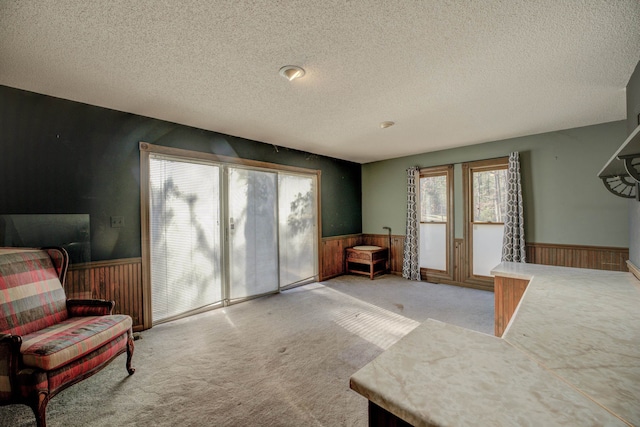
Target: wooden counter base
x=380 y=417
x=508 y=293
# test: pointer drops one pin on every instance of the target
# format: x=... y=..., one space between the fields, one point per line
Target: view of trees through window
x=433 y=198
x=269 y=216
x=489 y=195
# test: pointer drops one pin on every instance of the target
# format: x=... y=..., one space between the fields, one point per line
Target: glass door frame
x=318 y=235
x=221 y=229
x=429 y=274
x=230 y=222
x=146 y=149
x=482 y=282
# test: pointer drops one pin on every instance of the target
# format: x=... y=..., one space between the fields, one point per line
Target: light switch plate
x=117 y=221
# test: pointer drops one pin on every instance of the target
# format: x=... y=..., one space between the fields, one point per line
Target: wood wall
x=595 y=257
x=121 y=280
x=115 y=280
x=508 y=293
x=333 y=250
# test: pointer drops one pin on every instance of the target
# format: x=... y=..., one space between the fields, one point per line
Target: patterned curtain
x=410 y=262
x=513 y=246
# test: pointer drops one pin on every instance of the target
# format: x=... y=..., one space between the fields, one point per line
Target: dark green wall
x=61 y=157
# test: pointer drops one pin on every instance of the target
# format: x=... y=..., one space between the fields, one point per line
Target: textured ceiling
x=449 y=73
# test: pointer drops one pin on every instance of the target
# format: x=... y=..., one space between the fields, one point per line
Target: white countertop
x=570 y=356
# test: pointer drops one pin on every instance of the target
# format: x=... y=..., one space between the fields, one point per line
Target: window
x=485 y=198
x=433 y=194
x=436 y=231
x=489 y=191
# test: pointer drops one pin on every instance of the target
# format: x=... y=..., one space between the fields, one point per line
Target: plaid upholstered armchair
x=47 y=342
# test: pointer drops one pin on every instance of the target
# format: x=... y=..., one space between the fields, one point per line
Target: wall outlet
x=117 y=221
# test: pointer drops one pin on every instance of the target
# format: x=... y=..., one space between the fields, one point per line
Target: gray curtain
x=410 y=262
x=513 y=245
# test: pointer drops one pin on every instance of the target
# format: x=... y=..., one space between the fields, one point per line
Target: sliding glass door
x=184 y=237
x=297 y=228
x=253 y=233
x=220 y=233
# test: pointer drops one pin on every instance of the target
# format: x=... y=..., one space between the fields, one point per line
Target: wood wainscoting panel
x=596 y=257
x=459 y=264
x=114 y=280
x=333 y=249
x=508 y=293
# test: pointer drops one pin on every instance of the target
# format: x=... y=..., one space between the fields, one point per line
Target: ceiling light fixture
x=385 y=125
x=291 y=72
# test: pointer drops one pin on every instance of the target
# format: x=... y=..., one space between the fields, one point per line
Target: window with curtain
x=486 y=201
x=436 y=210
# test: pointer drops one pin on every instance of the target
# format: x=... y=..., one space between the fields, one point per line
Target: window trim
x=430 y=274
x=467 y=197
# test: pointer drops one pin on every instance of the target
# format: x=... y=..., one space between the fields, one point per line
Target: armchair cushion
x=59 y=377
x=60 y=344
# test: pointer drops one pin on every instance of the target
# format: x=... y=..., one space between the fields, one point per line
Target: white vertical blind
x=253 y=232
x=186 y=269
x=297 y=228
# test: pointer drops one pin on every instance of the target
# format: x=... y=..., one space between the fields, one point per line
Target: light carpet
x=279 y=360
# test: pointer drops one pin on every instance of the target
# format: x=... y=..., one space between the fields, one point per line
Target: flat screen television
x=71 y=231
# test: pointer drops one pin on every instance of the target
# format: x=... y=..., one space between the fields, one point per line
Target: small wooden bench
x=373 y=257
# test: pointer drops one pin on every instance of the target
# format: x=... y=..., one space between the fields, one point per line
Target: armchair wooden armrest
x=89 y=307
x=9 y=363
x=10 y=343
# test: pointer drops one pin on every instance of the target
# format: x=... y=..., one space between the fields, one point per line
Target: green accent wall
x=64 y=157
x=565 y=202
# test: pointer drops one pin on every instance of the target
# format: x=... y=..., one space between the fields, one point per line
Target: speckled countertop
x=570 y=356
